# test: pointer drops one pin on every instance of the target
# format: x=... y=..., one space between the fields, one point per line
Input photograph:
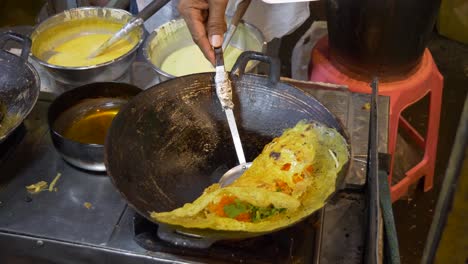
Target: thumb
x=216 y=25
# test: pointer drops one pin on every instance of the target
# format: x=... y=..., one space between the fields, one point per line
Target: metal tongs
x=224 y=93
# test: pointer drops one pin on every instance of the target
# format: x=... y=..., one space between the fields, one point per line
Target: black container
x=81 y=155
x=384 y=37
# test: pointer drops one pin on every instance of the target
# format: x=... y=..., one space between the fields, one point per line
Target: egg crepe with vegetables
x=292 y=177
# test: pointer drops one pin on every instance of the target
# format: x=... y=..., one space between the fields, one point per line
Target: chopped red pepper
x=286 y=167
x=283 y=187
x=218 y=208
x=244 y=217
x=297 y=178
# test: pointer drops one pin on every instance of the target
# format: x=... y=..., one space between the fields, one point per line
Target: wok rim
x=37 y=88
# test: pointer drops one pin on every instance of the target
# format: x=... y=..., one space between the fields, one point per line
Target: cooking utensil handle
x=245 y=57
x=374 y=222
x=390 y=234
x=25 y=41
x=151 y=9
x=235 y=136
x=240 y=11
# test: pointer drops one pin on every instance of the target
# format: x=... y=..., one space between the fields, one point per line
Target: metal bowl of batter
x=171 y=52
x=61 y=43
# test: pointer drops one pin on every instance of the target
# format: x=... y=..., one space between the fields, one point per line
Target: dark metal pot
x=19 y=84
x=172 y=141
x=81 y=155
x=380 y=36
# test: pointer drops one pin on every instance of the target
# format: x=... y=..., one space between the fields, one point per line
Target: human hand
x=206 y=22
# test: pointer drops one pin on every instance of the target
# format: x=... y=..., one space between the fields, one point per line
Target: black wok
x=172 y=141
x=19 y=84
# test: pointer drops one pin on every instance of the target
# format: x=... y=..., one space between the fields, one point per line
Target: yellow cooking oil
x=92 y=127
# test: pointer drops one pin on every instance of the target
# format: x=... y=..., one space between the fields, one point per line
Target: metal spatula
x=224 y=93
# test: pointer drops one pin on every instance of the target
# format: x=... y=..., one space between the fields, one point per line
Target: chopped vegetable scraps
x=366 y=106
x=337 y=164
x=286 y=167
x=232 y=207
x=235 y=209
x=218 y=208
x=37 y=187
x=298 y=178
x=282 y=186
x=44 y=186
x=54 y=181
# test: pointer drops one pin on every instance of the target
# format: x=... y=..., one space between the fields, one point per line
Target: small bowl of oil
x=79 y=120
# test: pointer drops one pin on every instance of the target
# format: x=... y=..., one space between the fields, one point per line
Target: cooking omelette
x=291 y=178
x=75 y=52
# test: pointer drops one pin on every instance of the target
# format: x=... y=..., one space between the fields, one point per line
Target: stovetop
x=291 y=245
x=87 y=221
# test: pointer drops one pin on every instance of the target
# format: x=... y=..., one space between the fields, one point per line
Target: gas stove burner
x=290 y=245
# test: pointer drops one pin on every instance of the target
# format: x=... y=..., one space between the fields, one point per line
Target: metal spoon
x=224 y=93
x=135 y=22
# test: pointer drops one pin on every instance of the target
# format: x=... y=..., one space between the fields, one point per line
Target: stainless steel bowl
x=175 y=35
x=72 y=106
x=44 y=39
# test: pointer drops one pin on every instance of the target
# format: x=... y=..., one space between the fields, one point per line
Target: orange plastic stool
x=425 y=79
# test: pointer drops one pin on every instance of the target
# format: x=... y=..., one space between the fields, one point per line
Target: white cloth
x=302 y=52
x=273 y=20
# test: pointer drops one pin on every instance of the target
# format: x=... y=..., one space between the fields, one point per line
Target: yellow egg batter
x=75 y=52
x=190 y=59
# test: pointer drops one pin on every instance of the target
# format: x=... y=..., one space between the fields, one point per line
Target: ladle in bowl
x=224 y=93
x=135 y=22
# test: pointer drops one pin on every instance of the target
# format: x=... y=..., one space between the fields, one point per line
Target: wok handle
x=245 y=57
x=25 y=41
